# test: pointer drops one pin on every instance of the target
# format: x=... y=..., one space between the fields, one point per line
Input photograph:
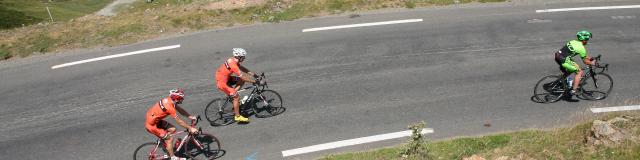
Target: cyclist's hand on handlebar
x=261 y=82
x=193 y=130
x=192 y=117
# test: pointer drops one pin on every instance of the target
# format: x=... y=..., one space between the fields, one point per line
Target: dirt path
x=110 y=10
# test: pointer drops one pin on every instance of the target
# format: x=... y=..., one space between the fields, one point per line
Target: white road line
x=362 y=25
x=351 y=142
x=586 y=8
x=115 y=56
x=614 y=109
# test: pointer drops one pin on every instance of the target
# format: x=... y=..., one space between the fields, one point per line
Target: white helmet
x=239 y=52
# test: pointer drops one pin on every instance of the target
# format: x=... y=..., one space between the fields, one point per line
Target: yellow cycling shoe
x=240 y=118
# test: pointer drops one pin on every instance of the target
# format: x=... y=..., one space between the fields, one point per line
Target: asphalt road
x=461 y=68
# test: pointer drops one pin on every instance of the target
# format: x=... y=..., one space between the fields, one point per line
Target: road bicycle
x=594 y=85
x=260 y=102
x=196 y=146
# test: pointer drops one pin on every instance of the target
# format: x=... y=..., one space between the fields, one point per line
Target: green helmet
x=584 y=35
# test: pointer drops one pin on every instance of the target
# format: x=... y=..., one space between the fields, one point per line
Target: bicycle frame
x=589 y=72
x=182 y=142
x=255 y=90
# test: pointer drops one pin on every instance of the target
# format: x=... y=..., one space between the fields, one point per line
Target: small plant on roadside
x=4 y=54
x=410 y=4
x=416 y=147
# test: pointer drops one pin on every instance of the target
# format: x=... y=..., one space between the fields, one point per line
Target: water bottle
x=570 y=80
x=177 y=143
x=244 y=99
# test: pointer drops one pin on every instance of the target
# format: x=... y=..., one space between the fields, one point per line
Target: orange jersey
x=160 y=110
x=225 y=70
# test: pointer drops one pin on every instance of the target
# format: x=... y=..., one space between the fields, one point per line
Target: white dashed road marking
x=362 y=25
x=614 y=109
x=623 y=17
x=115 y=56
x=586 y=8
x=351 y=142
x=539 y=21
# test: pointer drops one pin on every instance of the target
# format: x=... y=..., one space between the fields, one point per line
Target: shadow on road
x=220 y=116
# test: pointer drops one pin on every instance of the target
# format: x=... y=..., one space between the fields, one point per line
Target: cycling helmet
x=239 y=52
x=177 y=95
x=584 y=35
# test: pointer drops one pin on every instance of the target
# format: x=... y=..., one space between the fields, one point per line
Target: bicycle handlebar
x=194 y=122
x=260 y=78
x=603 y=66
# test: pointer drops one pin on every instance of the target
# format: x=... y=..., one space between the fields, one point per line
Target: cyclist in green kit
x=571 y=49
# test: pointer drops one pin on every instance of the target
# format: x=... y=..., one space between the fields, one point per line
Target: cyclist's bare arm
x=243 y=69
x=181 y=123
x=588 y=60
x=182 y=111
x=247 y=78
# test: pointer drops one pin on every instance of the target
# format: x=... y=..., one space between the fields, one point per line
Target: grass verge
x=15 y=13
x=562 y=143
x=141 y=21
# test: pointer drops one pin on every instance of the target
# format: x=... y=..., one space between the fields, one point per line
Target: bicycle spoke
x=549 y=89
x=598 y=87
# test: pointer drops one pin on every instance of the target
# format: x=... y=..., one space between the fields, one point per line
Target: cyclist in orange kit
x=163 y=129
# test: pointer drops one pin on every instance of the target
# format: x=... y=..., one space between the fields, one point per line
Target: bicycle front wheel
x=550 y=89
x=219 y=112
x=268 y=103
x=204 y=147
x=150 y=151
x=598 y=87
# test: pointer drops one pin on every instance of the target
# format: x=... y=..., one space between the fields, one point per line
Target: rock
x=618 y=121
x=473 y=157
x=604 y=133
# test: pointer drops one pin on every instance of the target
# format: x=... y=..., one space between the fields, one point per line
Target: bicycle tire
x=219 y=112
x=599 y=89
x=143 y=153
x=273 y=106
x=210 y=147
x=552 y=92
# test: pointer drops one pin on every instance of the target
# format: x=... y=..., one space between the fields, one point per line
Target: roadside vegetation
x=577 y=142
x=141 y=21
x=15 y=13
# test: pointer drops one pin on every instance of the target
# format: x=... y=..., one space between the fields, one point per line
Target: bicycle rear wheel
x=204 y=147
x=267 y=104
x=149 y=151
x=219 y=112
x=597 y=88
x=550 y=89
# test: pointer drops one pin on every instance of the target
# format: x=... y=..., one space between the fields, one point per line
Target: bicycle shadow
x=569 y=98
x=250 y=109
x=211 y=148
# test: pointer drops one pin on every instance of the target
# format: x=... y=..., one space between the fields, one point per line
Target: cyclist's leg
x=160 y=131
x=560 y=61
x=236 y=104
x=578 y=76
x=167 y=129
x=572 y=67
x=237 y=81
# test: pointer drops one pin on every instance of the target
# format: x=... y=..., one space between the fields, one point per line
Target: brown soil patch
x=233 y=4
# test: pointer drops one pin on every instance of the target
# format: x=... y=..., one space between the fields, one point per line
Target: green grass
x=4 y=52
x=564 y=143
x=14 y=13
